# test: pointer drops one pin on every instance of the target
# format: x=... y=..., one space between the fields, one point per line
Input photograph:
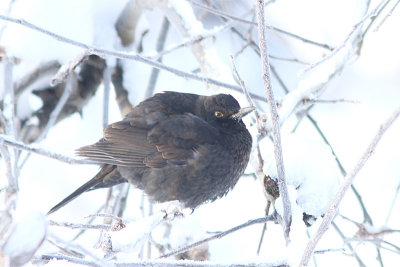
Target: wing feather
x=137 y=144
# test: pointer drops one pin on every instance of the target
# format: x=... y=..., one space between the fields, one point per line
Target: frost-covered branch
x=190 y=41
x=348 y=244
x=387 y=15
x=6 y=140
x=58 y=108
x=65 y=70
x=234 y=18
x=329 y=215
x=182 y=17
x=160 y=263
x=287 y=213
x=97 y=260
x=128 y=56
x=9 y=120
x=351 y=38
x=220 y=235
x=320 y=73
x=81 y=226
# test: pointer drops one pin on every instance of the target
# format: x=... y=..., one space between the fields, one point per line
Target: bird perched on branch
x=174 y=146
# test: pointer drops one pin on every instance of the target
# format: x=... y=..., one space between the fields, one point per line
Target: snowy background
x=355 y=95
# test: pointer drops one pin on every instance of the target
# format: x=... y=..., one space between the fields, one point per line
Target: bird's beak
x=242 y=112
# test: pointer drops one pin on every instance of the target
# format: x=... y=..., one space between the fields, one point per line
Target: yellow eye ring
x=218 y=114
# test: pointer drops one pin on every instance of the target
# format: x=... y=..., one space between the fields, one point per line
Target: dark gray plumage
x=174 y=146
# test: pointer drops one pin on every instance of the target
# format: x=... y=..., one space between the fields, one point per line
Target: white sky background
x=372 y=81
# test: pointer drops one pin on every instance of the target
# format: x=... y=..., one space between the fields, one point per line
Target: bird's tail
x=91 y=184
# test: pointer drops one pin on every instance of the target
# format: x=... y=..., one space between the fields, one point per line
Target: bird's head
x=224 y=112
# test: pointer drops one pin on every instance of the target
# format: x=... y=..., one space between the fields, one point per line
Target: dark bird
x=174 y=146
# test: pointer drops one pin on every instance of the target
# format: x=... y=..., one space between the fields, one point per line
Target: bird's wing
x=123 y=144
x=147 y=143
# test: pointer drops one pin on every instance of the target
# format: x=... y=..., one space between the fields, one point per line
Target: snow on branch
x=287 y=213
x=128 y=56
x=321 y=72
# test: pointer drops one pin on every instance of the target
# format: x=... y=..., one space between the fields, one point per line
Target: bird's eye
x=218 y=114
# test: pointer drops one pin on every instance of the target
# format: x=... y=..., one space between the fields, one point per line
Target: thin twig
x=190 y=41
x=82 y=231
x=156 y=263
x=58 y=108
x=328 y=101
x=393 y=203
x=243 y=86
x=6 y=140
x=81 y=226
x=220 y=235
x=65 y=250
x=70 y=83
x=373 y=19
x=367 y=217
x=103 y=215
x=129 y=56
x=97 y=260
x=8 y=118
x=356 y=28
x=222 y=14
x=228 y=16
x=387 y=15
x=377 y=242
x=287 y=216
x=65 y=70
x=353 y=251
x=323 y=251
x=264 y=228
x=329 y=215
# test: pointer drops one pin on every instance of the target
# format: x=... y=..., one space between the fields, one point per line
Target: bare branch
x=155 y=263
x=9 y=120
x=396 y=194
x=234 y=18
x=373 y=19
x=243 y=86
x=345 y=186
x=190 y=41
x=220 y=235
x=57 y=109
x=98 y=261
x=287 y=216
x=387 y=15
x=350 y=37
x=35 y=149
x=353 y=251
x=128 y=56
x=81 y=226
x=68 y=68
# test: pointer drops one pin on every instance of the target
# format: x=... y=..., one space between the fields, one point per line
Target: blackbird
x=174 y=146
